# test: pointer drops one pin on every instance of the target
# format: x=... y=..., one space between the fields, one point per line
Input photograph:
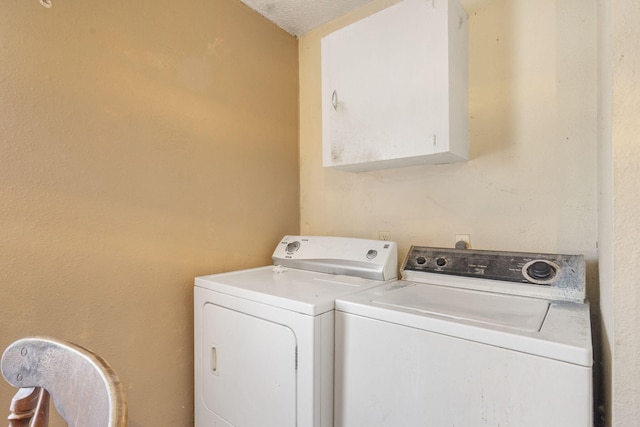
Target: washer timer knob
x=441 y=262
x=541 y=270
x=421 y=260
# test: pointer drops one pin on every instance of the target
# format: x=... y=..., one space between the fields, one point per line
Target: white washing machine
x=467 y=338
x=264 y=349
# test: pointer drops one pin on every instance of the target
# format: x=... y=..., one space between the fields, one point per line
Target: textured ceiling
x=299 y=16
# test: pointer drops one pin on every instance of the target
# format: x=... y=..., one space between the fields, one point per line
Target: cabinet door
x=385 y=87
x=250 y=369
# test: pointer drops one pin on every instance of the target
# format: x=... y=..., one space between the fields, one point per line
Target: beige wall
x=619 y=224
x=531 y=182
x=141 y=144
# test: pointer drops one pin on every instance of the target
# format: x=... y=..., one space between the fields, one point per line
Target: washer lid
x=509 y=311
x=305 y=292
x=556 y=330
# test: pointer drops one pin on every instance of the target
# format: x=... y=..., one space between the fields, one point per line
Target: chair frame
x=85 y=389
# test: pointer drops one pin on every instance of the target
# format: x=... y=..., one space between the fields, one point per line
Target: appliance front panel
x=248 y=368
x=392 y=375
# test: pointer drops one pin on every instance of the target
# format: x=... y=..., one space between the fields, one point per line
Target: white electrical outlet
x=384 y=235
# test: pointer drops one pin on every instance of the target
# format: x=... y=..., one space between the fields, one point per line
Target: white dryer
x=264 y=349
x=467 y=338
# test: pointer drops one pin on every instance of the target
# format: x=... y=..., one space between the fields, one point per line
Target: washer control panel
x=532 y=268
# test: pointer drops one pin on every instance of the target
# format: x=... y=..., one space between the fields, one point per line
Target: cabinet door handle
x=334 y=100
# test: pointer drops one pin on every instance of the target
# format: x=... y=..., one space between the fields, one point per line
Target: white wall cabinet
x=395 y=88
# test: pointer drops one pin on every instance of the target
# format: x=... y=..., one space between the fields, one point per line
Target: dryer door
x=250 y=368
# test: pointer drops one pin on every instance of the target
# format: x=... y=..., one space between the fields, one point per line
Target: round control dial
x=441 y=262
x=540 y=271
x=372 y=253
x=293 y=247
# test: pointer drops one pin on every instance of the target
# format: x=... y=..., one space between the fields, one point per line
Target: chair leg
x=29 y=408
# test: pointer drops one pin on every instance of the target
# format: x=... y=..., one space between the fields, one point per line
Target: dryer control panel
x=369 y=259
x=564 y=273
